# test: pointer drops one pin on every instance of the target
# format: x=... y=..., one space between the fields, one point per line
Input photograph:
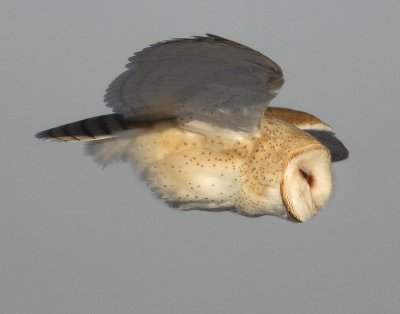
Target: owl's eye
x=309 y=178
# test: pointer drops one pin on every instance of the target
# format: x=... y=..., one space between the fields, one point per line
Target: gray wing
x=210 y=80
x=328 y=138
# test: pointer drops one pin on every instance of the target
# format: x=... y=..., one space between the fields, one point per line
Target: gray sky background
x=78 y=239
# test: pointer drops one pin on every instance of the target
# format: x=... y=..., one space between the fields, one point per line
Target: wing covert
x=208 y=79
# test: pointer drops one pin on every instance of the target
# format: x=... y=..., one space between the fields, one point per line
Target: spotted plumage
x=191 y=115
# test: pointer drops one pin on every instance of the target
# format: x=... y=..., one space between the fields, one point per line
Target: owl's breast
x=189 y=170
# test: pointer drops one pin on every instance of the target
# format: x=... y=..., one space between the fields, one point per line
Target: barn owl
x=191 y=115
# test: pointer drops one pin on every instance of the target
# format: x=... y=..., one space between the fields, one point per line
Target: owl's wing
x=313 y=126
x=211 y=80
x=328 y=138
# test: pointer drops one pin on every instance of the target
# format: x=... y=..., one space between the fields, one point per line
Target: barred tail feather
x=96 y=128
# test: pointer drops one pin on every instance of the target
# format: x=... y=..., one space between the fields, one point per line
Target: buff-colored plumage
x=191 y=116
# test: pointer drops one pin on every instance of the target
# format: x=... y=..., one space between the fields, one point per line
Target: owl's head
x=307 y=181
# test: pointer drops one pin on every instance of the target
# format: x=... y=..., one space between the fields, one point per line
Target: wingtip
x=344 y=153
x=42 y=135
x=338 y=151
x=46 y=136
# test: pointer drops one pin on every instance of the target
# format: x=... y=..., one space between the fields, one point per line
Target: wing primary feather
x=313 y=126
x=67 y=132
x=103 y=125
x=327 y=138
x=96 y=128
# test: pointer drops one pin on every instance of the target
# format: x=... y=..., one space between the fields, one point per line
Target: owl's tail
x=96 y=128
